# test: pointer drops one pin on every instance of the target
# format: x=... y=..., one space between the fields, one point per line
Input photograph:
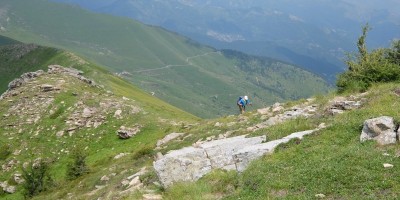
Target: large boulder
x=220 y=152
x=187 y=164
x=235 y=153
x=381 y=129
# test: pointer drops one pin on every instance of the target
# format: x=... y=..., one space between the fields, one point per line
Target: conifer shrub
x=77 y=166
x=5 y=151
x=37 y=178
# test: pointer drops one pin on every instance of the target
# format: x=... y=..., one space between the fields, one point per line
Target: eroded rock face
x=381 y=129
x=187 y=164
x=191 y=163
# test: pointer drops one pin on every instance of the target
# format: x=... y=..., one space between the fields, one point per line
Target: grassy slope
x=210 y=81
x=101 y=144
x=332 y=162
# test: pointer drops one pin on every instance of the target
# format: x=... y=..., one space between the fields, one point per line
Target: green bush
x=365 y=69
x=5 y=151
x=77 y=167
x=37 y=178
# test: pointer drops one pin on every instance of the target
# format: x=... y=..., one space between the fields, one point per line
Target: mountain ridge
x=124 y=45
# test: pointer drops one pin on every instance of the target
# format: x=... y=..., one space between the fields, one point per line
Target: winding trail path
x=189 y=63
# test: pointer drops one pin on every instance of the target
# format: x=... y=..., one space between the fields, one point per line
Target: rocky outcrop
x=381 y=129
x=126 y=133
x=168 y=138
x=192 y=163
x=341 y=104
x=304 y=110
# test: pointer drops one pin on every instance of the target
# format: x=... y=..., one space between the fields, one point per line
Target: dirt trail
x=181 y=65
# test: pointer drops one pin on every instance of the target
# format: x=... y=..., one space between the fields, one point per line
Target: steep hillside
x=51 y=115
x=171 y=67
x=55 y=114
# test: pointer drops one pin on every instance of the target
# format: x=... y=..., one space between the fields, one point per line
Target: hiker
x=242 y=102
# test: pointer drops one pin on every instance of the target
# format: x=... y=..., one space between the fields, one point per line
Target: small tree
x=77 y=167
x=37 y=178
x=380 y=65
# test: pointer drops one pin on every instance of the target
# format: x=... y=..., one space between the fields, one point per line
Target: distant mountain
x=196 y=78
x=311 y=34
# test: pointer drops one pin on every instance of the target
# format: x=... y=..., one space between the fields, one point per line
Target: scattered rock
x=105 y=178
x=18 y=179
x=47 y=88
x=7 y=188
x=60 y=133
x=387 y=165
x=117 y=114
x=125 y=183
x=168 y=138
x=320 y=196
x=120 y=155
x=135 y=182
x=3 y=185
x=381 y=129
x=277 y=107
x=9 y=165
x=218 y=124
x=152 y=197
x=10 y=189
x=126 y=133
x=87 y=112
x=141 y=172
x=264 y=111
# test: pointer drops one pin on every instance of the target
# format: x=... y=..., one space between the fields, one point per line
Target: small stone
x=105 y=178
x=135 y=181
x=218 y=124
x=117 y=114
x=320 y=196
x=387 y=165
x=152 y=197
x=125 y=183
x=46 y=88
x=60 y=133
x=18 y=179
x=385 y=154
x=87 y=113
x=120 y=155
x=10 y=189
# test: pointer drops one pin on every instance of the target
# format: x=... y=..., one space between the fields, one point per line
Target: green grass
x=331 y=161
x=101 y=144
